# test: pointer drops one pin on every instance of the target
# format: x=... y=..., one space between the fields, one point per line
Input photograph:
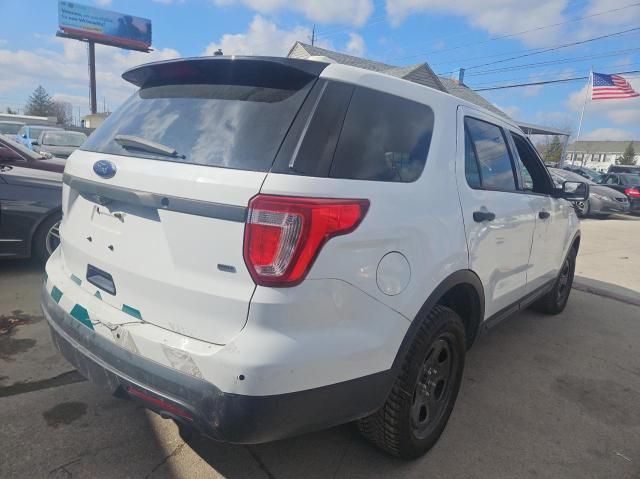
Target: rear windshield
x=233 y=124
x=10 y=128
x=63 y=138
x=630 y=179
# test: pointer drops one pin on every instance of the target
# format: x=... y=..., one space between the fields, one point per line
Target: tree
x=553 y=152
x=62 y=110
x=39 y=103
x=11 y=112
x=628 y=155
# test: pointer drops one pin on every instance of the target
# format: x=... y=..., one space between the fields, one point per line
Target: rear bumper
x=222 y=416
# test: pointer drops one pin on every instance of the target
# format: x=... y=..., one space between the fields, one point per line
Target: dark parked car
x=30 y=201
x=631 y=169
x=587 y=173
x=60 y=143
x=625 y=183
x=602 y=200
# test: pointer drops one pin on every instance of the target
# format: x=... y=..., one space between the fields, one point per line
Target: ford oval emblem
x=104 y=169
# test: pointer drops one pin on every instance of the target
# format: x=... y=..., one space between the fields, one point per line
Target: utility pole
x=313 y=35
x=92 y=78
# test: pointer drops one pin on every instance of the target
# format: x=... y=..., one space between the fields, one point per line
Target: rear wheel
x=422 y=398
x=47 y=237
x=555 y=300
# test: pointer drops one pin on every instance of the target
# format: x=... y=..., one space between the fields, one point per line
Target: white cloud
x=513 y=111
x=498 y=17
x=352 y=12
x=601 y=134
x=262 y=38
x=356 y=45
x=103 y=3
x=629 y=117
x=61 y=67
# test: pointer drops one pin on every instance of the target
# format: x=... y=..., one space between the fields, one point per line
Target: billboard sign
x=85 y=22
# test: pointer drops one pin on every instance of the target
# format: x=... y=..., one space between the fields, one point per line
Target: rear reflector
x=284 y=234
x=159 y=403
x=632 y=192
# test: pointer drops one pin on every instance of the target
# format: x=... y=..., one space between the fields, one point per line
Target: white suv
x=260 y=247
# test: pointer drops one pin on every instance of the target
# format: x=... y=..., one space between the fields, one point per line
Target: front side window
x=496 y=170
x=612 y=180
x=383 y=138
x=532 y=171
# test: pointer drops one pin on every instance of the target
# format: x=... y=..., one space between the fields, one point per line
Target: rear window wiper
x=139 y=143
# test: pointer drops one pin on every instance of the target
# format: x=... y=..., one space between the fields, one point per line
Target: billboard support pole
x=92 y=77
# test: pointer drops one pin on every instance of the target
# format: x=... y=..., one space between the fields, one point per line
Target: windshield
x=630 y=179
x=10 y=128
x=227 y=125
x=63 y=138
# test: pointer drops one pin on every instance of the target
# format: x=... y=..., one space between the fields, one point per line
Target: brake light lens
x=284 y=234
x=632 y=192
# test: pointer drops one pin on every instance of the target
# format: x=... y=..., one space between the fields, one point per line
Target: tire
x=555 y=300
x=582 y=208
x=422 y=397
x=47 y=237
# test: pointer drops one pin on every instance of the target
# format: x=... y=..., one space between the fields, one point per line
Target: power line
x=547 y=82
x=559 y=61
x=551 y=49
x=523 y=32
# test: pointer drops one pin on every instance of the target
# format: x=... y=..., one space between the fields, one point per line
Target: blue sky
x=446 y=34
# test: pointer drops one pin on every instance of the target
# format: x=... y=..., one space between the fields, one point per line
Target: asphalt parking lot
x=542 y=397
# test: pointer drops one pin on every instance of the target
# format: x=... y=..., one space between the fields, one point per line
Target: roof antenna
x=218 y=53
x=313 y=35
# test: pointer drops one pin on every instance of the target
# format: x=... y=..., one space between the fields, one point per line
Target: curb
x=606 y=293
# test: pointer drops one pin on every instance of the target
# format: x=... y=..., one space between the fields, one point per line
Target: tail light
x=632 y=192
x=284 y=235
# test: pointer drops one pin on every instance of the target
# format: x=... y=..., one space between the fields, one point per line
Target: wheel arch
x=461 y=291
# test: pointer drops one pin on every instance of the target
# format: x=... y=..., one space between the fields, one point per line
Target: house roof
x=602 y=146
x=419 y=73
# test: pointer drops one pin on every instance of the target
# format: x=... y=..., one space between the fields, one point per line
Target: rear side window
x=234 y=116
x=494 y=162
x=383 y=138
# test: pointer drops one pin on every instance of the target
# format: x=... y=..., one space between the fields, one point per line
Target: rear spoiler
x=223 y=69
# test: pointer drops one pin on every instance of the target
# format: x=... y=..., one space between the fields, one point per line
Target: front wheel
x=422 y=398
x=582 y=208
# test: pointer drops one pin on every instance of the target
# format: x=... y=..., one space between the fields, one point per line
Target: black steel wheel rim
x=434 y=386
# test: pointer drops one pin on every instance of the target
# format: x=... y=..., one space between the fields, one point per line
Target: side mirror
x=35 y=142
x=575 y=191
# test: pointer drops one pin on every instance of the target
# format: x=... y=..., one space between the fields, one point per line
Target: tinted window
x=471 y=170
x=493 y=157
x=630 y=179
x=384 y=138
x=230 y=122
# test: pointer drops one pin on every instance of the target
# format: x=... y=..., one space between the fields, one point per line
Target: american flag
x=611 y=87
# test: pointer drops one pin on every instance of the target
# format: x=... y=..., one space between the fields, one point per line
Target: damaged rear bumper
x=227 y=417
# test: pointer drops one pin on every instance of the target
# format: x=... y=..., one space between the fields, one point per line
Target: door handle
x=6 y=168
x=543 y=215
x=480 y=216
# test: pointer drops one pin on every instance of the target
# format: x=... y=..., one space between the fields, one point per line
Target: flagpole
x=584 y=104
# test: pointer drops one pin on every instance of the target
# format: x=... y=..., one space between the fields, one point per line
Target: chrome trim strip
x=102 y=194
